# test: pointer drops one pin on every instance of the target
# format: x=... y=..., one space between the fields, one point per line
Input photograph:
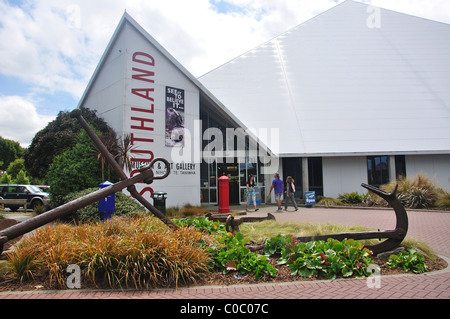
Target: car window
x=34 y=189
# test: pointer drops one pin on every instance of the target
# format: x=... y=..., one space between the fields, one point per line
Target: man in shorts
x=278 y=185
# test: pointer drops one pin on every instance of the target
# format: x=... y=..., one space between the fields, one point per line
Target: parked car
x=44 y=188
x=33 y=194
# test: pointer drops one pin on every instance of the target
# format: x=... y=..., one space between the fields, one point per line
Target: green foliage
x=232 y=255
x=124 y=205
x=200 y=223
x=22 y=178
x=408 y=260
x=57 y=137
x=352 y=198
x=6 y=179
x=15 y=167
x=275 y=245
x=417 y=192
x=417 y=197
x=9 y=152
x=74 y=170
x=327 y=258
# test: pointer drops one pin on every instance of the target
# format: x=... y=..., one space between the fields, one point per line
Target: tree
x=57 y=137
x=22 y=178
x=9 y=151
x=5 y=179
x=15 y=167
x=73 y=170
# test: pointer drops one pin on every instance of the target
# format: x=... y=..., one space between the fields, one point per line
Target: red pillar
x=224 y=194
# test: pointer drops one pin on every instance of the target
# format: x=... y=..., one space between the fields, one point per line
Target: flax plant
x=138 y=252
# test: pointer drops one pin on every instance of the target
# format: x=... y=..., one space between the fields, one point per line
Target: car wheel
x=36 y=203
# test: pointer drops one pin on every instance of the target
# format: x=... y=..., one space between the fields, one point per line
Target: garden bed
x=8 y=282
x=115 y=242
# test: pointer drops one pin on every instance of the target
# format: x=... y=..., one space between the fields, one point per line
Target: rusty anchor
x=145 y=175
x=394 y=237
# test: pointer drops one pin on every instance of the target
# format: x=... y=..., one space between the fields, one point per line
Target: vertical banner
x=174 y=117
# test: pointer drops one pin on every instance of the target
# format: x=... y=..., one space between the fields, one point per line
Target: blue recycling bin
x=107 y=205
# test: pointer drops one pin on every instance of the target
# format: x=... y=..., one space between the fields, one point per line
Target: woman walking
x=251 y=193
x=290 y=190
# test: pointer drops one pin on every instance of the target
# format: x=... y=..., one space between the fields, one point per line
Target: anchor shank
x=132 y=189
x=60 y=211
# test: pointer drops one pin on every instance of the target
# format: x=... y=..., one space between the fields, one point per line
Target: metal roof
x=353 y=80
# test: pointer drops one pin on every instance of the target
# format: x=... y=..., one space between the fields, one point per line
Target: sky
x=50 y=48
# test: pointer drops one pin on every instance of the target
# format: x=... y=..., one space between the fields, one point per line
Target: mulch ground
x=42 y=281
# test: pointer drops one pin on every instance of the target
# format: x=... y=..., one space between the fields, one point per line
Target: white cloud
x=54 y=45
x=19 y=120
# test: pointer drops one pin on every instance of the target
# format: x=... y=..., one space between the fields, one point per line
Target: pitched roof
x=352 y=80
x=204 y=92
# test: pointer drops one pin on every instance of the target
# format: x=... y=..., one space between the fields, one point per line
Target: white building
x=359 y=94
x=356 y=94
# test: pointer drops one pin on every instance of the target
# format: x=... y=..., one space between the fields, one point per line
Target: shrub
x=136 y=252
x=232 y=255
x=327 y=258
x=275 y=245
x=352 y=198
x=124 y=205
x=408 y=260
x=202 y=224
x=418 y=192
x=417 y=197
x=74 y=170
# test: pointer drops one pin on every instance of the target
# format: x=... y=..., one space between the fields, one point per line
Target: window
x=400 y=166
x=377 y=170
x=315 y=175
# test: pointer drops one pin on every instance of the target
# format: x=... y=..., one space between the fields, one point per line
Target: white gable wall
x=142 y=113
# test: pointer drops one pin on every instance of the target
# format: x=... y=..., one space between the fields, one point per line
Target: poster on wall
x=174 y=117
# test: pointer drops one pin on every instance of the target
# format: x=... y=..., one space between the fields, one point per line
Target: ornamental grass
x=124 y=252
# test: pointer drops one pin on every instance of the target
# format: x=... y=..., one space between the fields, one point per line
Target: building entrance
x=231 y=170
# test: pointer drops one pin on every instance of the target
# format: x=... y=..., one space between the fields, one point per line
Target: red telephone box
x=224 y=194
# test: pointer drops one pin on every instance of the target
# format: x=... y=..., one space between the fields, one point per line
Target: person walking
x=278 y=186
x=290 y=193
x=251 y=193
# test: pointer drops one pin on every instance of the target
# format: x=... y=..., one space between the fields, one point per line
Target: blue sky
x=49 y=49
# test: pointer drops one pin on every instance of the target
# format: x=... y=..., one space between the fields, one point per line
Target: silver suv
x=33 y=194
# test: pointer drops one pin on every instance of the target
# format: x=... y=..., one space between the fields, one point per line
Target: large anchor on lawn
x=145 y=175
x=394 y=237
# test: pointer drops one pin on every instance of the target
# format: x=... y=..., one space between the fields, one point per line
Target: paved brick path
x=432 y=227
